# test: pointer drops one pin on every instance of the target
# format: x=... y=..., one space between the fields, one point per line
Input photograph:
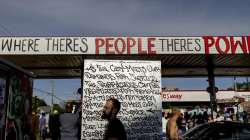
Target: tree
x=58 y=108
x=241 y=86
x=36 y=102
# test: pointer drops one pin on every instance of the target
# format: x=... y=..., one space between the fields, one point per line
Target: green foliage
x=58 y=108
x=244 y=86
x=36 y=102
x=166 y=105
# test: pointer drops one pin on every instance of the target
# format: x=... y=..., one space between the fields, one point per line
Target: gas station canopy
x=62 y=57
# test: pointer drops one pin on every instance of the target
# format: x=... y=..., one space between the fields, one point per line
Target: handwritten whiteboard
x=136 y=84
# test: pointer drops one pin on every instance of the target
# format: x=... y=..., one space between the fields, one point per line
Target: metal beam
x=211 y=82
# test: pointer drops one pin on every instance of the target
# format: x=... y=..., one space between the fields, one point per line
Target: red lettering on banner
x=235 y=44
x=223 y=44
x=217 y=44
x=248 y=43
x=140 y=51
x=123 y=46
x=130 y=44
x=151 y=45
x=98 y=43
x=109 y=44
x=118 y=45
x=208 y=42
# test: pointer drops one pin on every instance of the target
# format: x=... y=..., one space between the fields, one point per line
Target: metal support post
x=211 y=81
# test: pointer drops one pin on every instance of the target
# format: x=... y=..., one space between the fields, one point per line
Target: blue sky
x=130 y=17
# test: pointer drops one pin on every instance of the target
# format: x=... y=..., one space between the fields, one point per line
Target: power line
x=49 y=93
x=5 y=30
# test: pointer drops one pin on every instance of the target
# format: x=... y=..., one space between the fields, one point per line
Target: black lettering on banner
x=135 y=84
x=48 y=43
x=20 y=45
x=84 y=48
x=6 y=44
x=177 y=45
x=189 y=44
x=162 y=44
x=76 y=44
x=198 y=45
x=68 y=44
x=17 y=45
x=183 y=44
x=35 y=45
x=61 y=44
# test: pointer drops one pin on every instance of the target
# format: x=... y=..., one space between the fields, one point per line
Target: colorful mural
x=18 y=121
x=2 y=103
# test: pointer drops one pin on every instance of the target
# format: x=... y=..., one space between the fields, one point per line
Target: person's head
x=111 y=109
x=43 y=114
x=209 y=117
x=168 y=114
x=68 y=108
x=183 y=122
x=181 y=115
x=176 y=112
x=33 y=113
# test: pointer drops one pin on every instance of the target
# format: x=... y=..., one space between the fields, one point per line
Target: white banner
x=124 y=45
x=136 y=84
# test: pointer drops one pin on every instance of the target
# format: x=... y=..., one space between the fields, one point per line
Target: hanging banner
x=136 y=84
x=124 y=45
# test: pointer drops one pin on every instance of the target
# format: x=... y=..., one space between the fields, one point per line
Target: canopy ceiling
x=177 y=65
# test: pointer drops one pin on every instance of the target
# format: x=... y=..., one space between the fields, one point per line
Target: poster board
x=136 y=84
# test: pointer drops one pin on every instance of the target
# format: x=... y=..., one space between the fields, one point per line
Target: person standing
x=69 y=124
x=42 y=126
x=35 y=126
x=164 y=123
x=172 y=128
x=114 y=129
x=54 y=125
x=245 y=117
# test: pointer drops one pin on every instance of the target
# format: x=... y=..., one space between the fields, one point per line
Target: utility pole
x=248 y=88
x=52 y=94
x=235 y=84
